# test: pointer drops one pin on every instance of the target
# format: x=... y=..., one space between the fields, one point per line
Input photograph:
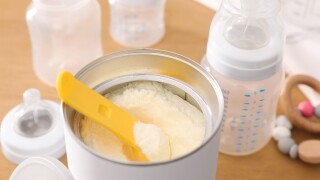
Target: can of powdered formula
x=175 y=73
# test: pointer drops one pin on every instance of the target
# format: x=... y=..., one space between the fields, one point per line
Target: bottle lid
x=39 y=168
x=244 y=64
x=245 y=46
x=32 y=128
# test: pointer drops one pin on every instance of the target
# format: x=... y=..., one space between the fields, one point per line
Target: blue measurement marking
x=262 y=90
x=243 y=116
x=245 y=109
x=257 y=119
x=259 y=112
x=242 y=122
x=247 y=95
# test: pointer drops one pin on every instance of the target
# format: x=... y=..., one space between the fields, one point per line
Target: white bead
x=280 y=132
x=285 y=144
x=317 y=111
x=283 y=121
x=293 y=151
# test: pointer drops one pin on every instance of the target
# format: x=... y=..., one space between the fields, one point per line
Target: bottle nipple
x=246 y=30
x=35 y=116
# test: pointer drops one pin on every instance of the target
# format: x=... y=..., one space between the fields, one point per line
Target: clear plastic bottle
x=137 y=23
x=65 y=35
x=244 y=54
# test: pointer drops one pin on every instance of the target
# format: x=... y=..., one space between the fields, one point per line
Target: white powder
x=154 y=143
x=151 y=103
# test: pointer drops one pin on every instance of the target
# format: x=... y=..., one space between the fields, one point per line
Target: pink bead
x=306 y=109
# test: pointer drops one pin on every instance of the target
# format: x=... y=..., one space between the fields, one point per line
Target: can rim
x=158 y=52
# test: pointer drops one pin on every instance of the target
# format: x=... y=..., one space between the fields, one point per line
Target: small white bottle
x=65 y=35
x=137 y=23
x=244 y=54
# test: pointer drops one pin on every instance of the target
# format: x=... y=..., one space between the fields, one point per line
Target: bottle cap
x=32 y=128
x=42 y=167
x=248 y=44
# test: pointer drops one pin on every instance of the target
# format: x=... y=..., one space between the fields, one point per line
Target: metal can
x=183 y=77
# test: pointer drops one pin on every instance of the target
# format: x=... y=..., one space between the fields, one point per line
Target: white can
x=185 y=78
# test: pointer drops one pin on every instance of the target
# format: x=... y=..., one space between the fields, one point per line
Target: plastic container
x=138 y=23
x=244 y=54
x=41 y=167
x=186 y=78
x=65 y=35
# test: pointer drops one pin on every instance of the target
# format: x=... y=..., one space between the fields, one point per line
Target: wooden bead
x=309 y=151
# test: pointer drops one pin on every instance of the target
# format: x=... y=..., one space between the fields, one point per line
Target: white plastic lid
x=39 y=168
x=33 y=128
x=243 y=64
x=246 y=40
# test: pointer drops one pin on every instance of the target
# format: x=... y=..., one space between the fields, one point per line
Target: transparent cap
x=246 y=39
x=34 y=117
x=248 y=28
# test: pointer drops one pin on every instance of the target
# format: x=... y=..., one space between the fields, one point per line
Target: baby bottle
x=137 y=23
x=65 y=35
x=244 y=54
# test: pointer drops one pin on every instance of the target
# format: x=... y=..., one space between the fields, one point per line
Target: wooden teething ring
x=290 y=111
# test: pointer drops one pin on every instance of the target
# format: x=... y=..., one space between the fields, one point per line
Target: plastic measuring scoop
x=101 y=110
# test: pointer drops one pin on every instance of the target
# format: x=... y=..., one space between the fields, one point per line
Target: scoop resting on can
x=101 y=110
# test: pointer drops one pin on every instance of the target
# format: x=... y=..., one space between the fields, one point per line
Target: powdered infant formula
x=164 y=117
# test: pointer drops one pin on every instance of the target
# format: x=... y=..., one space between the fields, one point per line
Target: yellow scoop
x=99 y=109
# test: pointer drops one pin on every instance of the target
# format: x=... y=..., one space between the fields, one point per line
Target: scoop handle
x=96 y=107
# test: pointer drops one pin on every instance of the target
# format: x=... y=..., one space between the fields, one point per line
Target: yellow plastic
x=101 y=110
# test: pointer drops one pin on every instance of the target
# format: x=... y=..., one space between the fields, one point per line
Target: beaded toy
x=309 y=150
